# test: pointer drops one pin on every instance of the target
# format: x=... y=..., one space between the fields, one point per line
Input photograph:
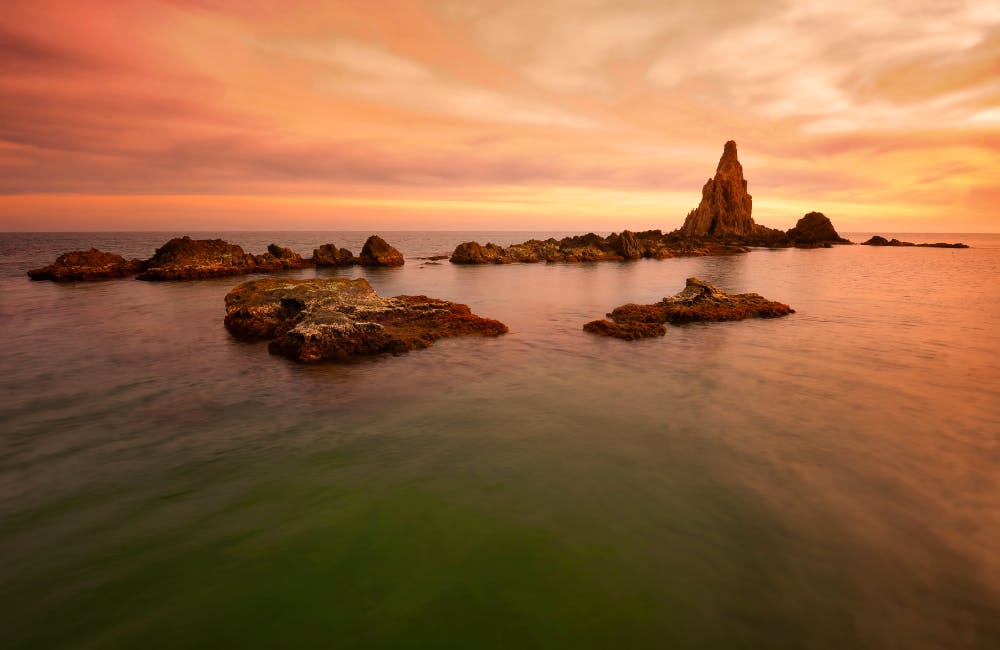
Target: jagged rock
x=473 y=253
x=376 y=252
x=628 y=246
x=878 y=240
x=815 y=228
x=337 y=318
x=699 y=301
x=330 y=255
x=726 y=207
x=91 y=264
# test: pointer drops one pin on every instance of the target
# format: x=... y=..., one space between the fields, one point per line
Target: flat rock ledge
x=335 y=319
x=91 y=264
x=878 y=240
x=699 y=301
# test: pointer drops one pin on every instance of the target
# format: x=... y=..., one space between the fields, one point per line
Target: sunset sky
x=495 y=114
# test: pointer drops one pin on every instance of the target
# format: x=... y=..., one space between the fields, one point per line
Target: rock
x=628 y=246
x=330 y=255
x=473 y=253
x=92 y=264
x=337 y=318
x=815 y=228
x=726 y=207
x=377 y=252
x=699 y=301
x=878 y=240
x=278 y=258
x=183 y=258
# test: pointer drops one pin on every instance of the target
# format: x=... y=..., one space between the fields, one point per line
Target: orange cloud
x=514 y=114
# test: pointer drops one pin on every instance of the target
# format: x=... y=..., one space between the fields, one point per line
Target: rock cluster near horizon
x=699 y=301
x=878 y=240
x=183 y=258
x=333 y=319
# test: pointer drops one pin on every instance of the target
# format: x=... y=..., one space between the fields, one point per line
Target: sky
x=495 y=114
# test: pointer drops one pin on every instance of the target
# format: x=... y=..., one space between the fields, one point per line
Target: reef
x=878 y=240
x=699 y=301
x=183 y=258
x=335 y=319
x=91 y=264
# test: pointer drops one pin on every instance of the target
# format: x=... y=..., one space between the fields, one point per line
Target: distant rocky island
x=721 y=225
x=699 y=301
x=183 y=258
x=334 y=319
x=878 y=240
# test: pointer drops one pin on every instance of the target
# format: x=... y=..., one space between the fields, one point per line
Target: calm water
x=827 y=480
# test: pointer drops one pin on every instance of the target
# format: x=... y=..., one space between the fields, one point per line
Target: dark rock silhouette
x=337 y=318
x=699 y=301
x=377 y=252
x=91 y=264
x=815 y=229
x=878 y=240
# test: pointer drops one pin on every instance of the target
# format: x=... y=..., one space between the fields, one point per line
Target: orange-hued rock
x=815 y=229
x=330 y=255
x=91 y=264
x=377 y=252
x=592 y=248
x=279 y=258
x=183 y=258
x=699 y=301
x=334 y=319
x=726 y=207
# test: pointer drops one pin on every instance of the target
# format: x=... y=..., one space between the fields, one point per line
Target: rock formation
x=183 y=258
x=92 y=264
x=330 y=255
x=815 y=229
x=376 y=252
x=726 y=207
x=591 y=248
x=878 y=240
x=337 y=318
x=699 y=301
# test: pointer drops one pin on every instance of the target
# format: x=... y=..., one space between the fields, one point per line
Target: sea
x=826 y=480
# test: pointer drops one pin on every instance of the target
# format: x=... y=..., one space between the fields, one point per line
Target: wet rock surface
x=335 y=319
x=332 y=255
x=699 y=301
x=91 y=264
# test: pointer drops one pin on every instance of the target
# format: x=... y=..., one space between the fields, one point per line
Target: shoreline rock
x=699 y=301
x=334 y=319
x=87 y=265
x=878 y=240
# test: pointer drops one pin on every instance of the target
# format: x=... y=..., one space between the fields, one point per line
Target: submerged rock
x=815 y=229
x=699 y=301
x=330 y=255
x=377 y=252
x=91 y=264
x=878 y=240
x=337 y=318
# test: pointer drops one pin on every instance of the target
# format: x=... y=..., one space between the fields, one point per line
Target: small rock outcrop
x=699 y=301
x=815 y=229
x=91 y=264
x=377 y=252
x=333 y=319
x=878 y=240
x=330 y=255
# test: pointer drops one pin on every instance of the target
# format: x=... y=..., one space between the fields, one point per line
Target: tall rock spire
x=725 y=206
